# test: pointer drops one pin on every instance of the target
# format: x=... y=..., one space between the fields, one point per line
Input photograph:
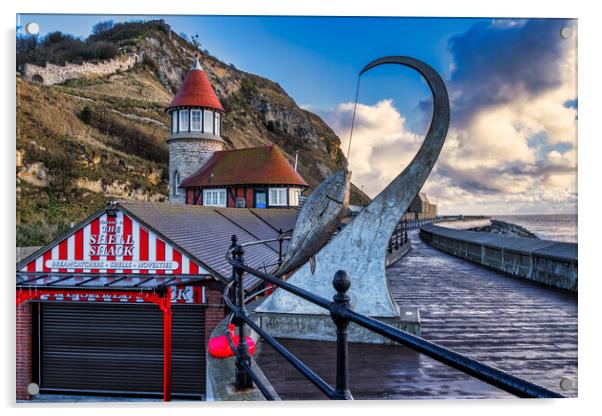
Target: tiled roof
x=196 y=91
x=265 y=165
x=205 y=232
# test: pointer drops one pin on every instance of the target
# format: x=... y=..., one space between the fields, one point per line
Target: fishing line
x=357 y=91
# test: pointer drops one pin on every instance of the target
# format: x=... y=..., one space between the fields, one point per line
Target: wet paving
x=520 y=327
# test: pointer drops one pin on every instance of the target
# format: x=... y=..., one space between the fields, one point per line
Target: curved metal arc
x=435 y=137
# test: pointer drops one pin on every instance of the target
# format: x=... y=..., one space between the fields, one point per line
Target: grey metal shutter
x=118 y=349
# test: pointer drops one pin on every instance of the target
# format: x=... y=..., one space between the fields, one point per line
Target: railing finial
x=341 y=282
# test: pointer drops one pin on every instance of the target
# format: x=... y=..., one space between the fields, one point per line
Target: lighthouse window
x=176 y=181
x=195 y=117
x=277 y=196
x=208 y=127
x=293 y=197
x=218 y=124
x=174 y=121
x=214 y=197
x=183 y=120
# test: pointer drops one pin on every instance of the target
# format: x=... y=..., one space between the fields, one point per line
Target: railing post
x=342 y=301
x=280 y=241
x=243 y=379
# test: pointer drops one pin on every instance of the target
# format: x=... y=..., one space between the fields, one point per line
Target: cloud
x=381 y=144
x=512 y=140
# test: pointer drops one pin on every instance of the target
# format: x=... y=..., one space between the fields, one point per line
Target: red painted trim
x=94 y=229
x=79 y=247
x=160 y=253
x=177 y=256
x=110 y=225
x=167 y=347
x=143 y=247
x=127 y=232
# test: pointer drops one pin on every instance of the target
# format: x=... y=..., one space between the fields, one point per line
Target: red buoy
x=219 y=347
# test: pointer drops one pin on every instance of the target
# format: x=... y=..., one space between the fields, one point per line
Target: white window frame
x=215 y=197
x=184 y=120
x=293 y=197
x=207 y=121
x=192 y=124
x=275 y=197
x=174 y=121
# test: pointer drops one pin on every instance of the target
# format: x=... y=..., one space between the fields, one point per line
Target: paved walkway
x=515 y=325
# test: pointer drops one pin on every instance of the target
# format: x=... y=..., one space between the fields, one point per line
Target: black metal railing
x=342 y=314
x=399 y=237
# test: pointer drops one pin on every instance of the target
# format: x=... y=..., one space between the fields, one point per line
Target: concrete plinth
x=322 y=328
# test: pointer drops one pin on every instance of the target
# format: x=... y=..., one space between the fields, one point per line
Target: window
x=183 y=120
x=176 y=183
x=208 y=122
x=293 y=197
x=174 y=121
x=218 y=124
x=214 y=197
x=277 y=196
x=195 y=119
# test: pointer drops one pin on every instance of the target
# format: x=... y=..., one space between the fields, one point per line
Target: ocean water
x=547 y=227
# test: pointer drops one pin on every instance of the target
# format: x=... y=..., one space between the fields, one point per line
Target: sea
x=557 y=227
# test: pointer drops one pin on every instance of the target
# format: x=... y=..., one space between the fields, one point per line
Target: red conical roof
x=196 y=91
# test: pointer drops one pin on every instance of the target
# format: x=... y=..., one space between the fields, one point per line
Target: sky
x=512 y=143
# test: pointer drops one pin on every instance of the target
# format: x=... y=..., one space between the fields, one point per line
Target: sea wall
x=56 y=74
x=549 y=262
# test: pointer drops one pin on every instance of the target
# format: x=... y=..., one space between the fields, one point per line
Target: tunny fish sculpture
x=318 y=220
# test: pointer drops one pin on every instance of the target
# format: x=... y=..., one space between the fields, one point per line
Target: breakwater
x=549 y=262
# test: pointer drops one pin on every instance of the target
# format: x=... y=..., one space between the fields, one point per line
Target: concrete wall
x=549 y=262
x=56 y=74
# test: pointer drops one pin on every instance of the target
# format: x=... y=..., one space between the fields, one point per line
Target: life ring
x=219 y=347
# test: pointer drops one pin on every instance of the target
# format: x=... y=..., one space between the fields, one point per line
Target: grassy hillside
x=99 y=138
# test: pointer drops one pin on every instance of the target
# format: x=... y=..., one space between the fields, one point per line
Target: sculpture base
x=322 y=328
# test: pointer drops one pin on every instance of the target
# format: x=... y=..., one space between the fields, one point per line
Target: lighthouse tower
x=196 y=125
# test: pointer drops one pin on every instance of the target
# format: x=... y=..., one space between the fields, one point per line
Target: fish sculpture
x=318 y=220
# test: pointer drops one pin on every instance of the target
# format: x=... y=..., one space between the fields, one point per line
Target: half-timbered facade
x=257 y=177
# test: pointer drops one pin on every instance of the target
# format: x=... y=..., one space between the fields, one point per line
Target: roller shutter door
x=118 y=349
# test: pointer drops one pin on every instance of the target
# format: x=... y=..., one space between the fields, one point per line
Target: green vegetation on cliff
x=99 y=138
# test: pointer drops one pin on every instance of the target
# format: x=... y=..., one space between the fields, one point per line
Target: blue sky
x=315 y=59
x=512 y=83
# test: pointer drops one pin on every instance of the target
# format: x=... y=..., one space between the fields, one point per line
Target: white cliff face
x=57 y=74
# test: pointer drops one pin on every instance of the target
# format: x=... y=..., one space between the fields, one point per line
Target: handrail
x=342 y=313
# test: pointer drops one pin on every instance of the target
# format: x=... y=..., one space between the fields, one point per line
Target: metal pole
x=280 y=241
x=167 y=346
x=342 y=301
x=243 y=379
